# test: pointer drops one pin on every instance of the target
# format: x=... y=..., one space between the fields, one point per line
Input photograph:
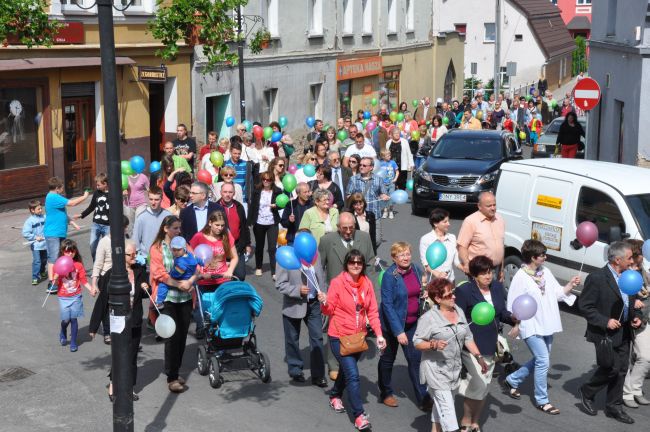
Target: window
x=410 y=16
x=490 y=32
x=504 y=79
x=389 y=89
x=392 y=16
x=316 y=21
x=315 y=105
x=519 y=37
x=367 y=17
x=461 y=28
x=344 y=98
x=583 y=2
x=272 y=17
x=348 y=17
x=597 y=207
x=21 y=114
x=612 y=6
x=270 y=105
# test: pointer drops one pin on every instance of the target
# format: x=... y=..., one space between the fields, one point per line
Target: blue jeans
x=348 y=377
x=39 y=261
x=97 y=231
x=314 y=321
x=540 y=347
x=387 y=359
x=419 y=160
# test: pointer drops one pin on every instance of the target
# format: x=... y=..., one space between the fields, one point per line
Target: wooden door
x=79 y=143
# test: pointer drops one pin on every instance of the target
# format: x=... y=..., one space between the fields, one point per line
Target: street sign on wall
x=586 y=94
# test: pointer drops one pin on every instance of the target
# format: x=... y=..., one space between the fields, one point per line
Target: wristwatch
x=478 y=357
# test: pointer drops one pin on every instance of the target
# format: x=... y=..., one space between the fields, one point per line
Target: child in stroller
x=185 y=265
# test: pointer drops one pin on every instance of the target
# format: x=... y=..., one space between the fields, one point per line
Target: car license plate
x=452 y=197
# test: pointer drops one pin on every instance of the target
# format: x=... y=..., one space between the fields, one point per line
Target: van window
x=599 y=208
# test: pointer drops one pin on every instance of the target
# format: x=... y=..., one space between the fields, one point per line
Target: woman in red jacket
x=350 y=302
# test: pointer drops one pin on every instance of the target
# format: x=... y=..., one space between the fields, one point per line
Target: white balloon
x=165 y=326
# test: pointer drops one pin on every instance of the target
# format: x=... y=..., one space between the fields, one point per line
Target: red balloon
x=258 y=131
x=204 y=176
x=587 y=233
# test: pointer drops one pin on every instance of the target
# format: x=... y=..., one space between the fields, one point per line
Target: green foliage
x=580 y=63
x=27 y=22
x=261 y=36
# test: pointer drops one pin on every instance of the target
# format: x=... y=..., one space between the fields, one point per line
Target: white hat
x=439 y=101
x=178 y=242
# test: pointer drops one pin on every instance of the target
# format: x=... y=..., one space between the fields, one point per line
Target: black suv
x=462 y=164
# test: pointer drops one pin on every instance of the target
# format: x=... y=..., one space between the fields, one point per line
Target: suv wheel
x=511 y=265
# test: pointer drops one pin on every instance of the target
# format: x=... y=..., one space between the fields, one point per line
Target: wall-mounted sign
x=70 y=33
x=549 y=235
x=349 y=69
x=152 y=74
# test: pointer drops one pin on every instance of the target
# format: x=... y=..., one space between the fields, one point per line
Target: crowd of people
x=340 y=193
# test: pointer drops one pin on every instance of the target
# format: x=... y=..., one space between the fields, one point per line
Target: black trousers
x=612 y=378
x=401 y=180
x=181 y=313
x=271 y=233
x=100 y=309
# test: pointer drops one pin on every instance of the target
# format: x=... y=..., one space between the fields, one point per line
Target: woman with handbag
x=441 y=334
x=538 y=282
x=350 y=302
x=401 y=291
x=481 y=288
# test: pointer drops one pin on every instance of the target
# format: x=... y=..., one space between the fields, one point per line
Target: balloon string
x=582 y=263
x=315 y=282
x=153 y=302
x=468 y=324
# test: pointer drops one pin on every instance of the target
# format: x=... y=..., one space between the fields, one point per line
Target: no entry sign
x=586 y=94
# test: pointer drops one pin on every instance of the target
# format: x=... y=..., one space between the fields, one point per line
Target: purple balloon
x=203 y=252
x=524 y=307
x=63 y=265
x=587 y=233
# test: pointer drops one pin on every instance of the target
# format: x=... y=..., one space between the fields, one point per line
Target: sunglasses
x=365 y=165
x=355 y=262
x=182 y=201
x=132 y=255
x=449 y=295
x=70 y=249
x=266 y=180
x=312 y=158
x=227 y=175
x=280 y=166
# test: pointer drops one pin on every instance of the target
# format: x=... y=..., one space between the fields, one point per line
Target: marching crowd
x=339 y=187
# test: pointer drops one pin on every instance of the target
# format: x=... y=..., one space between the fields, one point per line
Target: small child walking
x=69 y=293
x=33 y=232
x=99 y=204
x=391 y=174
x=185 y=265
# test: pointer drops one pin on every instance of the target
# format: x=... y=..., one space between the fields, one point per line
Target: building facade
x=51 y=120
x=330 y=58
x=576 y=14
x=533 y=36
x=620 y=62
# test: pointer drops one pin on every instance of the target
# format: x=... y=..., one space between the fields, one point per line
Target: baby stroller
x=230 y=341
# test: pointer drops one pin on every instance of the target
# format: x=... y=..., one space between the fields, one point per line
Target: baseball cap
x=178 y=242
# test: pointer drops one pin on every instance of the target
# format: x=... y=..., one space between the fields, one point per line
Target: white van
x=546 y=199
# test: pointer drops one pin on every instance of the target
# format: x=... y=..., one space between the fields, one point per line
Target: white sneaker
x=258 y=272
x=385 y=214
x=391 y=215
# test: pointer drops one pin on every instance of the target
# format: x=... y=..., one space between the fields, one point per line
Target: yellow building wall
x=415 y=74
x=359 y=100
x=449 y=48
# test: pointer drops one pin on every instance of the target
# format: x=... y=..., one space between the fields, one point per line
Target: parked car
x=545 y=146
x=546 y=199
x=462 y=164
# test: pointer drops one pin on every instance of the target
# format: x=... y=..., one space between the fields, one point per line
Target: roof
x=629 y=179
x=57 y=62
x=547 y=26
x=579 y=22
x=483 y=133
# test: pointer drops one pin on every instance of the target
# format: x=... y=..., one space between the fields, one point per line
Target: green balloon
x=445 y=121
x=381 y=276
x=216 y=158
x=483 y=313
x=125 y=182
x=373 y=102
x=342 y=135
x=268 y=131
x=327 y=126
x=436 y=254
x=415 y=103
x=393 y=116
x=364 y=122
x=289 y=182
x=553 y=103
x=282 y=200
x=126 y=167
x=400 y=116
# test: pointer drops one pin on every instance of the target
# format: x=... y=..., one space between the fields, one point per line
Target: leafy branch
x=26 y=22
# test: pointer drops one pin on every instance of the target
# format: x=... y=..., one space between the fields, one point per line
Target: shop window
x=367 y=17
x=348 y=15
x=344 y=98
x=270 y=105
x=490 y=32
x=392 y=16
x=410 y=16
x=316 y=18
x=389 y=89
x=597 y=207
x=315 y=102
x=20 y=119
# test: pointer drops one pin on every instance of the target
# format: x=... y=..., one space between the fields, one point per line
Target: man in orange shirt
x=482 y=233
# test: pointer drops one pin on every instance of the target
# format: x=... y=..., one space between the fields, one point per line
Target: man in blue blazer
x=195 y=216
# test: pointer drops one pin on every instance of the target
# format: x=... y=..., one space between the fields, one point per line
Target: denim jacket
x=394 y=300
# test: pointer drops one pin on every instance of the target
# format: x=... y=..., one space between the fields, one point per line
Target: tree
x=25 y=22
x=469 y=84
x=580 y=62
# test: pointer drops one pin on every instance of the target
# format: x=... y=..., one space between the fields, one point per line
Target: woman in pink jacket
x=350 y=302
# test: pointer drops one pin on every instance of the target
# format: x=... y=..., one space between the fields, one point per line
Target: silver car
x=545 y=146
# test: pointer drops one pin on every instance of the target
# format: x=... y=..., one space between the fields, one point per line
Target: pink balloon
x=371 y=126
x=587 y=233
x=292 y=169
x=63 y=265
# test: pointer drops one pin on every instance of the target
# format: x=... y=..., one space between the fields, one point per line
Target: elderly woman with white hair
x=322 y=217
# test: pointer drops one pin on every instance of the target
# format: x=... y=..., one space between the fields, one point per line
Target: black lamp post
x=241 y=20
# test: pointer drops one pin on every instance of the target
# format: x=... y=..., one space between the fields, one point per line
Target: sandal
x=548 y=409
x=512 y=392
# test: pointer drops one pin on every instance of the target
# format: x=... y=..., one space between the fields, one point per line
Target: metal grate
x=14 y=374
x=454 y=181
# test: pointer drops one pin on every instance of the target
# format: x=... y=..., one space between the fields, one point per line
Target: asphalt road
x=66 y=391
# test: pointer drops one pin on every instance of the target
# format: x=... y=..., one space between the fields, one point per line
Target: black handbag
x=605 y=353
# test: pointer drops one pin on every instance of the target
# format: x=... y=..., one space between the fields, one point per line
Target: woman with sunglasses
x=350 y=302
x=181 y=197
x=324 y=181
x=278 y=168
x=227 y=175
x=538 y=282
x=308 y=159
x=321 y=153
x=353 y=164
x=481 y=288
x=441 y=334
x=264 y=217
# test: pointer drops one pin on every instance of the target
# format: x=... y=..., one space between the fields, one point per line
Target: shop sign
x=70 y=33
x=357 y=68
x=152 y=74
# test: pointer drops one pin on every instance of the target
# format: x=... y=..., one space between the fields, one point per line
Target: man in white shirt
x=362 y=147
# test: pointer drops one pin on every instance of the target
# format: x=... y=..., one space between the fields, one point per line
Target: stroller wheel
x=213 y=373
x=202 y=361
x=264 y=370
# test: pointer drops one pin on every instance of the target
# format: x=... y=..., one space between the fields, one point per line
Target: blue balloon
x=305 y=246
x=399 y=197
x=366 y=115
x=137 y=164
x=277 y=136
x=286 y=258
x=630 y=282
x=230 y=121
x=310 y=121
x=154 y=167
x=646 y=249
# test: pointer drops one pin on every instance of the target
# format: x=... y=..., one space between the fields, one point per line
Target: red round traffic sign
x=586 y=94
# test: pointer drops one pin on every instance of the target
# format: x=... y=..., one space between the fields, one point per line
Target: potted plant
x=26 y=22
x=260 y=41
